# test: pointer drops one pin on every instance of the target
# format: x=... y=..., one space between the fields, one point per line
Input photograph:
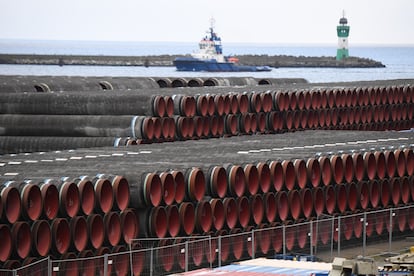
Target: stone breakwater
x=167 y=60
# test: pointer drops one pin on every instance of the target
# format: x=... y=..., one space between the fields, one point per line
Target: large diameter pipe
x=75 y=125
x=294 y=204
x=243 y=211
x=10 y=198
x=218 y=213
x=318 y=200
x=401 y=162
x=87 y=262
x=79 y=233
x=282 y=205
x=112 y=225
x=270 y=206
x=306 y=202
x=300 y=173
x=86 y=194
x=41 y=237
x=326 y=170
x=217 y=181
x=129 y=225
x=104 y=193
x=363 y=191
x=348 y=165
x=257 y=208
x=374 y=193
x=60 y=235
x=409 y=158
x=195 y=181
x=289 y=174
x=148 y=192
x=236 y=180
x=252 y=178
x=405 y=190
x=337 y=168
x=31 y=199
x=314 y=171
x=359 y=169
x=330 y=199
x=276 y=173
x=187 y=217
x=231 y=212
x=69 y=198
x=6 y=242
x=168 y=186
x=204 y=216
x=96 y=230
x=110 y=102
x=173 y=216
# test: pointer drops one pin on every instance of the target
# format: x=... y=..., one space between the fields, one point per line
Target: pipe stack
x=99 y=119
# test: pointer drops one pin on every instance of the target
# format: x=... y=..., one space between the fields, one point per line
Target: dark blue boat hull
x=196 y=65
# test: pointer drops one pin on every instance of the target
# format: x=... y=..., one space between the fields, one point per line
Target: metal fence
x=321 y=238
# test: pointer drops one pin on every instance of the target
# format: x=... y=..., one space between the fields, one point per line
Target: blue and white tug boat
x=210 y=58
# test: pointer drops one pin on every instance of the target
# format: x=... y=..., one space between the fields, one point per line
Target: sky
x=246 y=21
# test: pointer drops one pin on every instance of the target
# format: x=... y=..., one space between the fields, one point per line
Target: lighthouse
x=343 y=32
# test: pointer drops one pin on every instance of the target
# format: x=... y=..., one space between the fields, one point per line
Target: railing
x=321 y=238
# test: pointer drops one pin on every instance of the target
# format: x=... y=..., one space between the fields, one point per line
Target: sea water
x=399 y=60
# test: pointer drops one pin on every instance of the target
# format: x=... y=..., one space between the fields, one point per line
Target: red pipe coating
x=314 y=171
x=96 y=230
x=381 y=164
x=245 y=123
x=231 y=124
x=302 y=232
x=347 y=223
x=374 y=192
x=348 y=164
x=300 y=172
x=227 y=106
x=120 y=260
x=359 y=169
x=61 y=235
x=264 y=176
x=261 y=122
x=282 y=205
x=405 y=190
x=337 y=168
x=112 y=224
x=195 y=184
x=289 y=174
x=169 y=106
x=363 y=191
x=237 y=241
x=264 y=238
x=129 y=225
x=152 y=189
x=243 y=102
x=385 y=192
x=330 y=199
x=255 y=102
x=306 y=200
x=409 y=158
x=243 y=211
x=173 y=217
x=104 y=194
x=341 y=197
x=401 y=162
x=86 y=262
x=294 y=204
x=100 y=261
x=370 y=165
x=326 y=170
x=391 y=163
x=138 y=259
x=318 y=200
x=267 y=102
x=231 y=209
x=165 y=254
x=202 y=105
x=179 y=186
x=218 y=181
x=10 y=198
x=6 y=242
x=187 y=217
x=395 y=186
x=79 y=232
x=280 y=100
x=277 y=237
x=204 y=216
x=290 y=236
x=225 y=244
x=257 y=208
x=86 y=194
x=70 y=266
x=276 y=173
x=401 y=218
x=270 y=206
x=236 y=180
x=218 y=213
x=252 y=178
x=168 y=186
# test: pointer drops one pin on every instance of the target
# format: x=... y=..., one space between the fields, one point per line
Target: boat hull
x=211 y=65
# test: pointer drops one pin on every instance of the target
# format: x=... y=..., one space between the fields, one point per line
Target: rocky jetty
x=167 y=60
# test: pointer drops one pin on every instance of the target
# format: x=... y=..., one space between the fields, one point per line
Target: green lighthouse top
x=343 y=29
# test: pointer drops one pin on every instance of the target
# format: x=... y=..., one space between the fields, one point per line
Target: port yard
x=105 y=165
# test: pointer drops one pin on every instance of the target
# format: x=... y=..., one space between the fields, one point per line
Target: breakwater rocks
x=167 y=60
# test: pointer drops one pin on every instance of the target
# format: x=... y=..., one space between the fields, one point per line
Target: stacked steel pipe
x=77 y=216
x=140 y=118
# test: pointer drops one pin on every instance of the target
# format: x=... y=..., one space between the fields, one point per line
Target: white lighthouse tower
x=343 y=32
